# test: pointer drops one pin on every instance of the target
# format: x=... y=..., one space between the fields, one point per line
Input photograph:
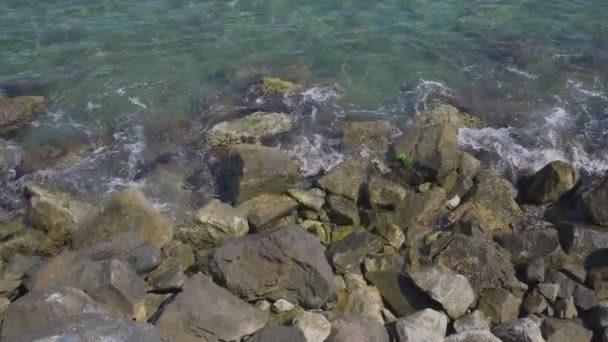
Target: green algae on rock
x=277 y=85
x=18 y=111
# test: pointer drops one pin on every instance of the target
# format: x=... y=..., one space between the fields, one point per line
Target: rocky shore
x=409 y=239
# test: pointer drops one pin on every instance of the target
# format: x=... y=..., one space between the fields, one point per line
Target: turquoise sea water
x=536 y=70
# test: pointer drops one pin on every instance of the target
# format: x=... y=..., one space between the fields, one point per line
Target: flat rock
x=278 y=333
x=346 y=179
x=518 y=330
x=215 y=315
x=348 y=254
x=313 y=198
x=473 y=336
x=427 y=325
x=266 y=208
x=251 y=129
x=476 y=320
x=357 y=329
x=560 y=330
x=499 y=305
x=399 y=292
x=285 y=264
x=316 y=327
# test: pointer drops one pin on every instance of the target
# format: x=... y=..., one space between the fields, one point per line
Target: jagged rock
x=153 y=302
x=584 y=297
x=278 y=333
x=534 y=303
x=399 y=292
x=499 y=305
x=592 y=202
x=313 y=198
x=566 y=285
x=370 y=137
x=348 y=254
x=424 y=207
x=560 y=330
x=213 y=223
x=473 y=336
x=129 y=247
x=518 y=330
x=582 y=240
x=251 y=129
x=387 y=261
x=168 y=276
x=384 y=194
x=450 y=289
x=549 y=290
x=343 y=211
x=528 y=245
x=565 y=308
x=550 y=183
x=273 y=266
x=476 y=320
x=84 y=326
x=216 y=314
x=357 y=329
x=386 y=226
x=18 y=111
x=127 y=211
x=316 y=327
x=534 y=271
x=267 y=208
x=346 y=179
x=427 y=325
x=251 y=170
x=359 y=299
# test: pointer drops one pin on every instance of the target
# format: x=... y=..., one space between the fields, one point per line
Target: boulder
x=518 y=330
x=526 y=245
x=313 y=198
x=565 y=308
x=424 y=207
x=213 y=223
x=168 y=276
x=534 y=303
x=443 y=113
x=348 y=254
x=359 y=299
x=582 y=240
x=18 y=111
x=499 y=305
x=598 y=281
x=384 y=194
x=549 y=290
x=127 y=211
x=251 y=129
x=592 y=202
x=346 y=179
x=561 y=330
x=386 y=226
x=357 y=329
x=215 y=315
x=343 y=211
x=370 y=137
x=476 y=320
x=450 y=289
x=427 y=325
x=273 y=266
x=550 y=183
x=400 y=293
x=251 y=170
x=473 y=336
x=316 y=327
x=266 y=208
x=278 y=333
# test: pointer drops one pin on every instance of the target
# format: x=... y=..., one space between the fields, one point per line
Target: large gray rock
x=473 y=336
x=582 y=240
x=278 y=333
x=427 y=325
x=499 y=305
x=519 y=330
x=348 y=254
x=286 y=264
x=252 y=129
x=384 y=194
x=476 y=320
x=264 y=209
x=357 y=329
x=528 y=245
x=592 y=202
x=214 y=315
x=316 y=327
x=550 y=183
x=450 y=289
x=400 y=293
x=346 y=179
x=561 y=330
x=18 y=111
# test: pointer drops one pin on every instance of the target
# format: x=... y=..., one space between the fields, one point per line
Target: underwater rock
x=18 y=111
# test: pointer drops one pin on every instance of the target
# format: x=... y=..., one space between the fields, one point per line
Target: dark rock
x=424 y=207
x=266 y=208
x=18 y=111
x=357 y=329
x=346 y=179
x=582 y=240
x=343 y=211
x=348 y=254
x=251 y=170
x=584 y=297
x=427 y=325
x=384 y=194
x=560 y=330
x=499 y=305
x=400 y=293
x=528 y=245
x=592 y=202
x=550 y=183
x=518 y=330
x=565 y=308
x=598 y=317
x=215 y=315
x=278 y=334
x=371 y=137
x=534 y=271
x=273 y=266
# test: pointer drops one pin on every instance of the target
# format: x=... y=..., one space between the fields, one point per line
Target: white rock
x=315 y=326
x=282 y=305
x=427 y=325
x=263 y=305
x=453 y=203
x=476 y=320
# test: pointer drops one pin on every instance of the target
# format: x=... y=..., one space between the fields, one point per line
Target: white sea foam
x=316 y=154
x=136 y=101
x=523 y=73
x=424 y=89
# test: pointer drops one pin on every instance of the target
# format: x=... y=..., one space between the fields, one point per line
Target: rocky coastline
x=410 y=238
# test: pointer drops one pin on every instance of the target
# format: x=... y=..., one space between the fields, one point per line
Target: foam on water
x=316 y=154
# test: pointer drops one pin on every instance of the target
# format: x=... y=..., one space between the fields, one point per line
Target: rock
x=452 y=203
x=566 y=285
x=25 y=241
x=386 y=226
x=212 y=224
x=348 y=254
x=11 y=156
x=592 y=200
x=357 y=329
x=282 y=305
x=343 y=211
x=534 y=303
x=560 y=330
x=168 y=276
x=598 y=317
x=9 y=229
x=565 y=308
x=359 y=299
x=252 y=129
x=443 y=113
x=476 y=320
x=424 y=207
x=216 y=314
x=550 y=183
x=273 y=266
x=387 y=261
x=518 y=330
x=266 y=208
x=427 y=325
x=278 y=333
x=598 y=280
x=319 y=229
x=125 y=211
x=251 y=170
x=399 y=292
x=584 y=298
x=313 y=198
x=316 y=327
x=371 y=137
x=384 y=194
x=144 y=258
x=582 y=240
x=549 y=290
x=534 y=271
x=85 y=326
x=473 y=336
x=527 y=245
x=152 y=304
x=346 y=179
x=576 y=271
x=4 y=304
x=278 y=86
x=129 y=247
x=499 y=305
x=18 y=111
x=450 y=289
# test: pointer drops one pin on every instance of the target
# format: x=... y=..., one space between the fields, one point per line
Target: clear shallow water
x=535 y=70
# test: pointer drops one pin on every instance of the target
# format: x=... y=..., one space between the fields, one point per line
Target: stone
x=399 y=292
x=278 y=333
x=263 y=305
x=11 y=155
x=319 y=229
x=518 y=330
x=9 y=229
x=473 y=336
x=213 y=223
x=584 y=297
x=582 y=240
x=443 y=113
x=370 y=137
x=16 y=112
x=424 y=207
x=384 y=194
x=534 y=271
x=357 y=329
x=144 y=258
x=359 y=299
x=343 y=211
x=476 y=320
x=278 y=86
x=129 y=247
x=534 y=303
x=566 y=285
x=25 y=241
x=346 y=179
x=251 y=129
x=91 y=327
x=453 y=202
x=4 y=305
x=313 y=198
x=216 y=314
x=565 y=308
x=348 y=254
x=386 y=226
x=592 y=200
x=448 y=288
x=153 y=303
x=168 y=276
x=598 y=281
x=266 y=208
x=549 y=290
x=273 y=266
x=576 y=271
x=427 y=325
x=550 y=183
x=316 y=327
x=282 y=305
x=527 y=245
x=561 y=330
x=499 y=305
x=127 y=211
x=598 y=317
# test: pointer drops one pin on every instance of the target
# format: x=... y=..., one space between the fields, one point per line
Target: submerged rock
x=550 y=183
x=371 y=138
x=18 y=111
x=252 y=129
x=278 y=86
